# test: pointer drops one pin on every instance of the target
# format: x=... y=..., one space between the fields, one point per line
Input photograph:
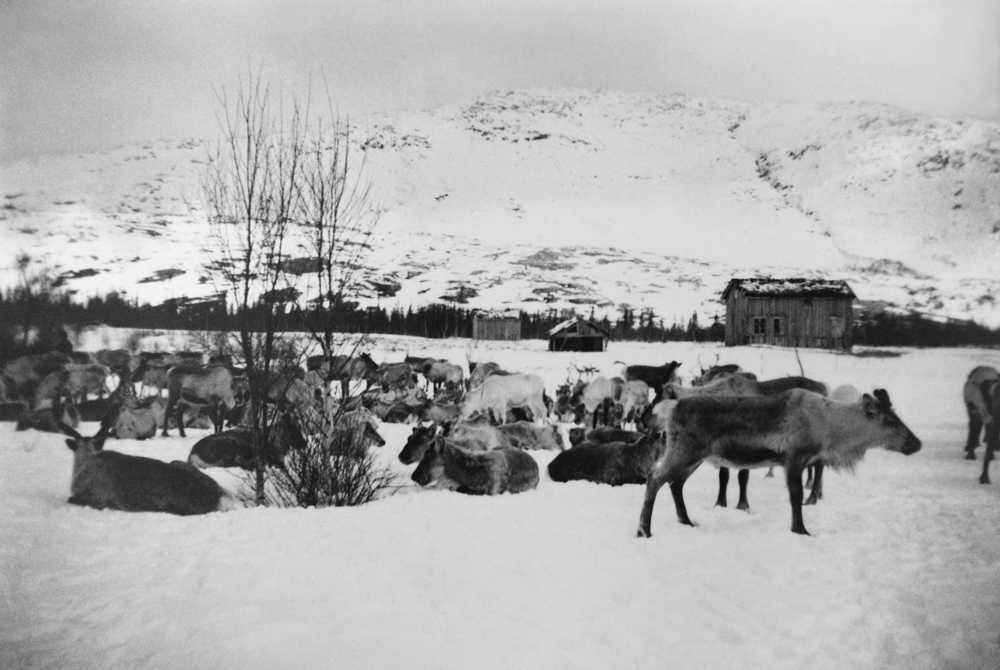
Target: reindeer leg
x=654 y=483
x=809 y=476
x=975 y=426
x=793 y=478
x=992 y=438
x=180 y=419
x=677 y=491
x=743 y=476
x=816 y=492
x=166 y=418
x=720 y=500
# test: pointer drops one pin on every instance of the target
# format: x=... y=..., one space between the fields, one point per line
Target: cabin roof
x=790 y=286
x=569 y=323
x=493 y=314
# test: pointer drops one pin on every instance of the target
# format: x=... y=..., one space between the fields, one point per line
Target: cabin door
x=758 y=330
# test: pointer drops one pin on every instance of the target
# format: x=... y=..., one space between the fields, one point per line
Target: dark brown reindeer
x=112 y=480
x=716 y=371
x=614 y=462
x=990 y=390
x=974 y=396
x=347 y=369
x=234 y=448
x=476 y=472
x=602 y=434
x=47 y=419
x=792 y=429
x=656 y=376
x=191 y=385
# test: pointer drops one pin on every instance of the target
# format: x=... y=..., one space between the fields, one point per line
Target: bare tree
x=339 y=216
x=275 y=184
x=252 y=188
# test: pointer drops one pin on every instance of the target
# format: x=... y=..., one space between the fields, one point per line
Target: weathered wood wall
x=496 y=329
x=823 y=322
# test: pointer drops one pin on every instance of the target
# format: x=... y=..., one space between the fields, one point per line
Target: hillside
x=572 y=198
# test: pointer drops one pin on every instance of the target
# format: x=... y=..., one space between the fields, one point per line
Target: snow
x=790 y=286
x=654 y=201
x=901 y=570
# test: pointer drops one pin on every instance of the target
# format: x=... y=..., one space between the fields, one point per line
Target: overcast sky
x=81 y=74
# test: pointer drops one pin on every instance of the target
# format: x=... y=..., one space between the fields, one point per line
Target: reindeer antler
x=883 y=397
x=69 y=430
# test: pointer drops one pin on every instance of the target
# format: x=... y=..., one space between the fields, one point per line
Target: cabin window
x=759 y=325
x=778 y=326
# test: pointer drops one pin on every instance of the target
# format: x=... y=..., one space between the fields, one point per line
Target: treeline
x=46 y=312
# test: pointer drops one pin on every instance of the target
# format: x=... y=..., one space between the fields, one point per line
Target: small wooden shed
x=578 y=334
x=496 y=325
x=793 y=312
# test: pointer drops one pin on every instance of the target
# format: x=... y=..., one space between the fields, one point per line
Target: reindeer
x=345 y=429
x=234 y=447
x=741 y=384
x=656 y=376
x=23 y=374
x=118 y=361
x=614 y=463
x=442 y=374
x=976 y=391
x=73 y=382
x=471 y=436
x=991 y=393
x=194 y=386
x=564 y=408
x=599 y=394
x=716 y=371
x=792 y=429
x=499 y=393
x=531 y=436
x=634 y=400
x=476 y=472
x=47 y=419
x=602 y=435
x=349 y=369
x=478 y=372
x=112 y=480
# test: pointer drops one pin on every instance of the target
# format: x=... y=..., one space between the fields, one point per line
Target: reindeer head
x=431 y=467
x=418 y=442
x=85 y=446
x=879 y=409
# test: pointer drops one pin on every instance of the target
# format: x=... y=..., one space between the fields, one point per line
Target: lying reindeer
x=793 y=429
x=47 y=419
x=112 y=480
x=614 y=463
x=476 y=472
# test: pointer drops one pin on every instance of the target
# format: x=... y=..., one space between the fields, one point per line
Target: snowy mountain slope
x=577 y=199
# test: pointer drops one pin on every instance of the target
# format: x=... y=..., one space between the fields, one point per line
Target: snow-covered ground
x=902 y=570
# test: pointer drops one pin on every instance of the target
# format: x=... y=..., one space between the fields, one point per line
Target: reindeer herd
x=472 y=433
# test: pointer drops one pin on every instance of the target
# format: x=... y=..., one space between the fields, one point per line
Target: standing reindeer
x=192 y=385
x=792 y=429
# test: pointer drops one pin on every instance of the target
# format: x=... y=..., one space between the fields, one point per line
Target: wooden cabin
x=792 y=312
x=496 y=325
x=577 y=334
